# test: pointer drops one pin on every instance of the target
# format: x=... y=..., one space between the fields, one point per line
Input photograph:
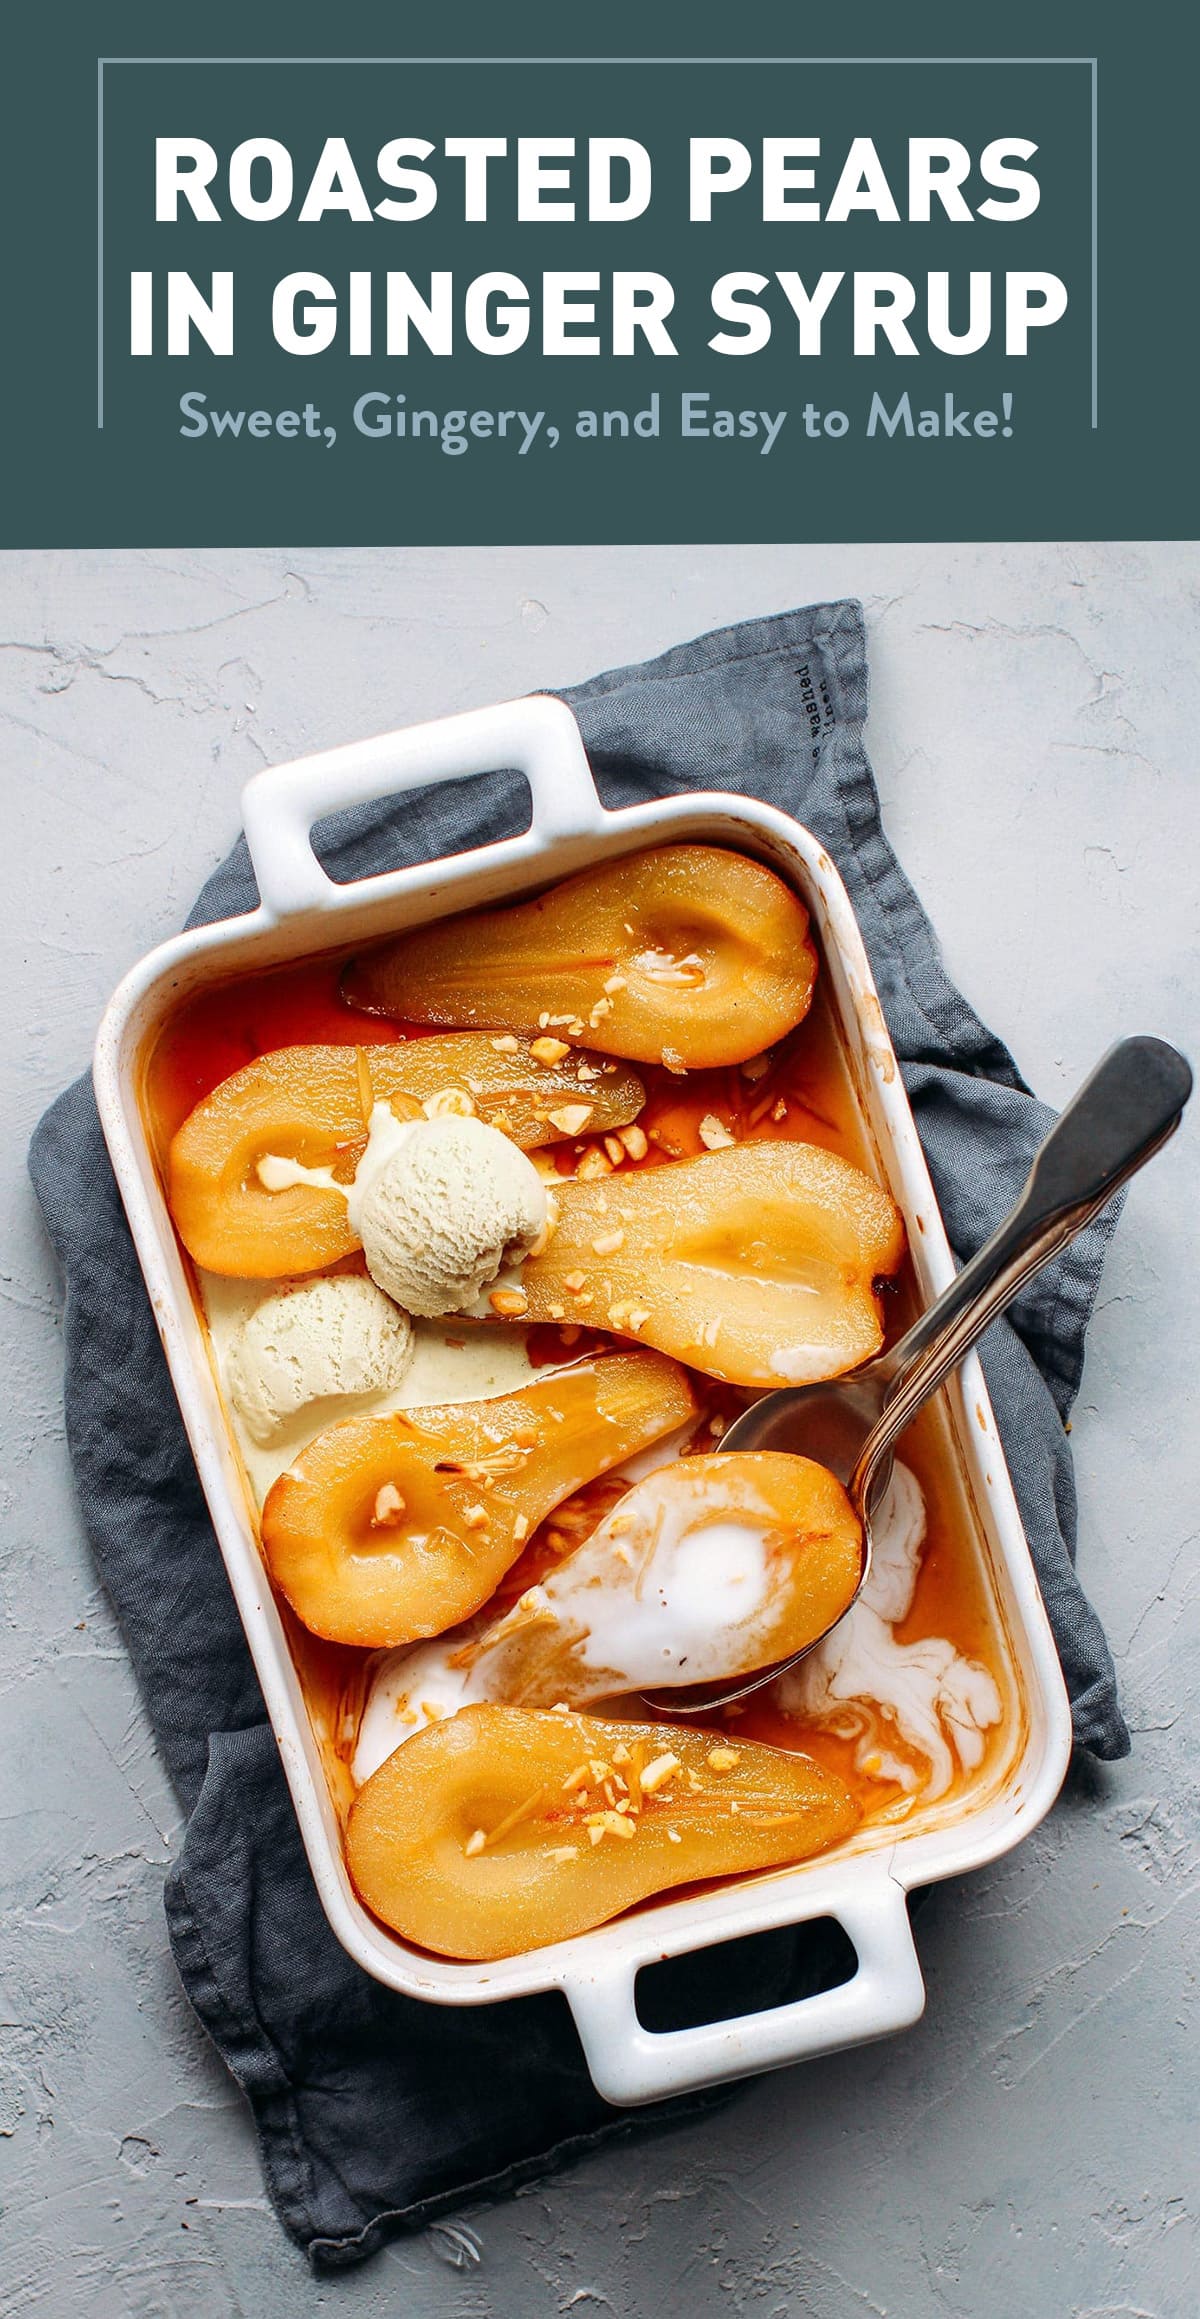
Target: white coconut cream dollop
x=897 y=1701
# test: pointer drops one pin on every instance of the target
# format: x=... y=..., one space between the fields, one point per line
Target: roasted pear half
x=311 y=1104
x=686 y=955
x=756 y=1264
x=709 y=1568
x=502 y=1829
x=388 y=1529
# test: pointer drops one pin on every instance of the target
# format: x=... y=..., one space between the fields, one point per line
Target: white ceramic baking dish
x=864 y=1885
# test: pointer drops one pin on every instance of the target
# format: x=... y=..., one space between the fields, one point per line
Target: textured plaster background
x=1030 y=2147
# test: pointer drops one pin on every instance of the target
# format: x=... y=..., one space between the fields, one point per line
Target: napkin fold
x=374 y=2112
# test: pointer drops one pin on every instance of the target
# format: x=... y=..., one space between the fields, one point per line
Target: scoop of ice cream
x=329 y=1339
x=442 y=1206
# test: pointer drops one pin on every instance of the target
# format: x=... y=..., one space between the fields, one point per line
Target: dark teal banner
x=379 y=297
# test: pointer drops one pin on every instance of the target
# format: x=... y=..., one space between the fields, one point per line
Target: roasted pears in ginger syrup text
x=685 y=955
x=756 y=1264
x=388 y=1529
x=502 y=1829
x=312 y=1104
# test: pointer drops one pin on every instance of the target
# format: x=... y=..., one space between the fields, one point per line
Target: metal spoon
x=1120 y=1117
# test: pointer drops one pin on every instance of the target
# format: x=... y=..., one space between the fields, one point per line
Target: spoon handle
x=1121 y=1116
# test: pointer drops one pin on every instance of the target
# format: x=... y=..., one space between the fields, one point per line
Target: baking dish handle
x=631 y=2064
x=537 y=736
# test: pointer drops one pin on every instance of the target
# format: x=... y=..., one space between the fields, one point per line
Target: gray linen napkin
x=373 y=2111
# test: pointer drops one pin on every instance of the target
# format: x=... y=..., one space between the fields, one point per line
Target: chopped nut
x=505 y=1046
x=510 y=1303
x=712 y=1135
x=757 y=1068
x=543 y=1019
x=449 y=1102
x=619 y=1524
x=638 y=1317
x=780 y=1111
x=576 y=1779
x=615 y=1149
x=571 y=1118
x=602 y=1007
x=389 y=1507
x=674 y=1062
x=366 y=1090
x=555 y=1312
x=618 y=1314
x=616 y=982
x=680 y=973
x=634 y=1140
x=521 y=1529
x=575 y=1027
x=549 y=1051
x=673 y=1836
x=723 y=1758
x=431 y=1711
x=595 y=1835
x=614 y=1825
x=717 y=1426
x=587 y=1072
x=474 y=1844
x=523 y=1811
x=607 y=1243
x=621 y=1753
x=477 y=1517
x=565 y=1852
x=656 y=1774
x=621 y=1553
x=575 y=1282
x=594 y=1163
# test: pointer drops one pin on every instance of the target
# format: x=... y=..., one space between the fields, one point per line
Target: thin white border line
x=100 y=242
x=1095 y=64
x=609 y=59
x=1092 y=62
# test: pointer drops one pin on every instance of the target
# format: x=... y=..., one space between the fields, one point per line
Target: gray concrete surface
x=1029 y=2149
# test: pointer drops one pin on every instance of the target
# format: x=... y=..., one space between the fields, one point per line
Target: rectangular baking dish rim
x=264 y=938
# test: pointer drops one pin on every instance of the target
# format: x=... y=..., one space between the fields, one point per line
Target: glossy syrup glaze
x=804 y=1091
